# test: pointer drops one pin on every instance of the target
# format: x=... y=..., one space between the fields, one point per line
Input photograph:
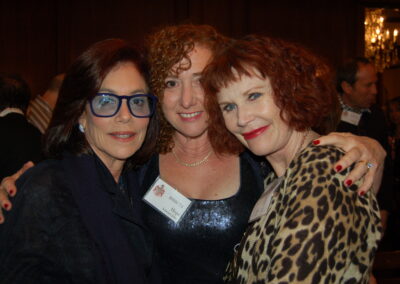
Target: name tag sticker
x=351 y=117
x=262 y=205
x=167 y=200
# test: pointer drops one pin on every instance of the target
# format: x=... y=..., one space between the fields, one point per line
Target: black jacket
x=72 y=224
x=20 y=142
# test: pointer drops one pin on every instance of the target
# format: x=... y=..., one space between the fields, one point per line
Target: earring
x=81 y=128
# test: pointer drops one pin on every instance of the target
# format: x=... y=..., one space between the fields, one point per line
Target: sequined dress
x=199 y=247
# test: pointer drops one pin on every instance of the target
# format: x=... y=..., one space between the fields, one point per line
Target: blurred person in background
x=41 y=108
x=21 y=141
x=356 y=83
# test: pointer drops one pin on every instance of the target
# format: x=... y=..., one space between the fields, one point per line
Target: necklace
x=195 y=164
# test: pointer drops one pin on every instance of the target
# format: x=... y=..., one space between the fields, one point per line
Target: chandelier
x=381 y=45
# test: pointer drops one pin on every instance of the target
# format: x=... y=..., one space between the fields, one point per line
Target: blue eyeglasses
x=107 y=105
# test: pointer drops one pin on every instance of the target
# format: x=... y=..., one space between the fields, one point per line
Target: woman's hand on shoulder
x=367 y=153
x=9 y=189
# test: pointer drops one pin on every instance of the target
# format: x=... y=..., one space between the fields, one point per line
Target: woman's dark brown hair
x=81 y=83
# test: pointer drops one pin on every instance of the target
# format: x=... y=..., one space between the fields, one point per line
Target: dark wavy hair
x=167 y=47
x=348 y=72
x=302 y=83
x=81 y=83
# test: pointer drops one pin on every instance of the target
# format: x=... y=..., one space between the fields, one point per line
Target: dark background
x=39 y=39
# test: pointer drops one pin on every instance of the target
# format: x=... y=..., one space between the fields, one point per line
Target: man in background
x=356 y=83
x=41 y=108
x=20 y=141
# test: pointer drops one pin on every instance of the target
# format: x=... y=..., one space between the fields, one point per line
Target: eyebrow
x=172 y=76
x=256 y=88
x=106 y=90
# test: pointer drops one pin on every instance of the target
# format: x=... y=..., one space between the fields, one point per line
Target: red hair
x=301 y=82
x=167 y=47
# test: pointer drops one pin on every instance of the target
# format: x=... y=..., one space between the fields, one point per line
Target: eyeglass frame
x=120 y=98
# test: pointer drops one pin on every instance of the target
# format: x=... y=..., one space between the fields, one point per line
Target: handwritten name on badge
x=167 y=200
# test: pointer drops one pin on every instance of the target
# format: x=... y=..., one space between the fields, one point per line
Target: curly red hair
x=302 y=82
x=166 y=48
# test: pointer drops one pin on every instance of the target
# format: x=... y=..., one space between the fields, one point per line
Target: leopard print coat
x=316 y=230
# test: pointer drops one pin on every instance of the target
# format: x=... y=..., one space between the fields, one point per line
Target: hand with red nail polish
x=8 y=188
x=348 y=182
x=359 y=151
x=338 y=168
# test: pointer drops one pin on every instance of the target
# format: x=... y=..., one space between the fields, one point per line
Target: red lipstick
x=254 y=133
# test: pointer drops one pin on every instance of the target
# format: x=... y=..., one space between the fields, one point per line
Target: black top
x=374 y=126
x=20 y=142
x=199 y=247
x=71 y=223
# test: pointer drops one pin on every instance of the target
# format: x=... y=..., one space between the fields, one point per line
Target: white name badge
x=351 y=117
x=167 y=200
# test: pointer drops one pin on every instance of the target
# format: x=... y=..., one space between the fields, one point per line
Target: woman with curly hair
x=307 y=227
x=197 y=247
x=219 y=181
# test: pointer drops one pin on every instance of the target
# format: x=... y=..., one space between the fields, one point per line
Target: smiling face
x=251 y=114
x=183 y=99
x=114 y=139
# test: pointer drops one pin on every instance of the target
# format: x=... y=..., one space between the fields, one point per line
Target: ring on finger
x=370 y=165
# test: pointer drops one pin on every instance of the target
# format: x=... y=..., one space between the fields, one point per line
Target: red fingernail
x=6 y=205
x=338 y=168
x=361 y=193
x=11 y=192
x=316 y=142
x=349 y=182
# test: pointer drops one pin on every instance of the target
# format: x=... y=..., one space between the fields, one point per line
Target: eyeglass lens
x=108 y=105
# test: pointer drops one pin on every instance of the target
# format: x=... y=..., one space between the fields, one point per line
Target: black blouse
x=199 y=247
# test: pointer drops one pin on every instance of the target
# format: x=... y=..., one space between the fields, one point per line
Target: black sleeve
x=41 y=239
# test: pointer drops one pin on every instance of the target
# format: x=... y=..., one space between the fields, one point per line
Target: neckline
x=156 y=162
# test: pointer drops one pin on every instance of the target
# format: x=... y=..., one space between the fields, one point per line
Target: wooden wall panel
x=82 y=23
x=329 y=28
x=27 y=45
x=41 y=38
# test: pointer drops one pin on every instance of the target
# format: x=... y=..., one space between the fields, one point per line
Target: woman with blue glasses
x=77 y=218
